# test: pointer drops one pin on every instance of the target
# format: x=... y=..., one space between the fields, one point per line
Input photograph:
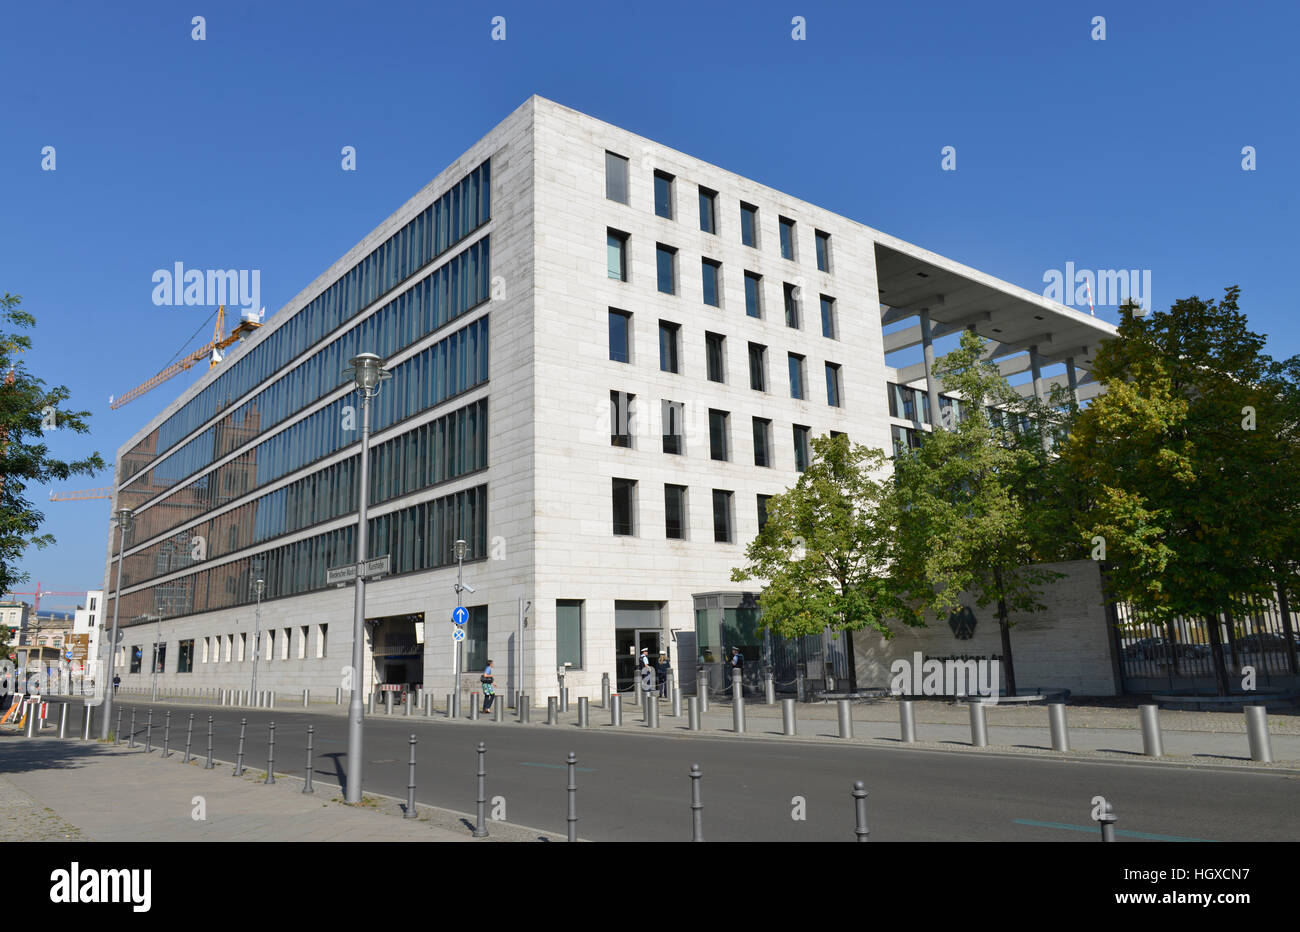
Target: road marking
x=529 y=763
x=1097 y=830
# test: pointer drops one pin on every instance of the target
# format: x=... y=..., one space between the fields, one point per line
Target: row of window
x=453 y=290
x=616 y=249
x=715 y=357
x=420 y=537
x=453 y=365
x=665 y=205
x=438 y=228
x=228 y=648
x=676 y=511
x=435 y=452
x=622 y=412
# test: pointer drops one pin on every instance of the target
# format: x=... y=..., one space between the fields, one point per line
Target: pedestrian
x=4 y=694
x=117 y=681
x=489 y=691
x=661 y=674
x=738 y=663
x=647 y=671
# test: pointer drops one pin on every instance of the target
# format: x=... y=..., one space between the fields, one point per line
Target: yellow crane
x=81 y=495
x=211 y=350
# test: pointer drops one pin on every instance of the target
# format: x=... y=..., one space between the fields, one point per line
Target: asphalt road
x=635 y=786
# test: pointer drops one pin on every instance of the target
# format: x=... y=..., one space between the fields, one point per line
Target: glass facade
x=437 y=229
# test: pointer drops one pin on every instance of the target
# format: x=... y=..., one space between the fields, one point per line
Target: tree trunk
x=1004 y=626
x=1284 y=609
x=1216 y=651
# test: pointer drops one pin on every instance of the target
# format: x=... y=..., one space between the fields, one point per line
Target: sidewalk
x=53 y=790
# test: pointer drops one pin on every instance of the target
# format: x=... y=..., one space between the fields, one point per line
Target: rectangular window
x=762 y=442
x=620 y=418
x=762 y=510
x=797 y=382
x=715 y=356
x=718 y=435
x=833 y=385
x=322 y=640
x=286 y=636
x=137 y=656
x=791 y=306
x=675 y=512
x=666 y=268
x=800 y=447
x=673 y=413
x=616 y=177
x=708 y=210
x=664 y=195
x=758 y=367
x=829 y=328
x=749 y=224
x=476 y=638
x=721 y=516
x=624 y=506
x=241 y=644
x=787 y=238
x=823 y=251
x=206 y=645
x=302 y=643
x=620 y=336
x=185 y=657
x=616 y=254
x=712 y=273
x=92 y=603
x=230 y=647
x=669 y=344
x=568 y=633
x=753 y=294
x=270 y=645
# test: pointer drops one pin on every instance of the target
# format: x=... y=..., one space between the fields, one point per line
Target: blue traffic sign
x=460 y=616
x=458 y=634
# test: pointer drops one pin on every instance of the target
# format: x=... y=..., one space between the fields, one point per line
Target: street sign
x=460 y=616
x=458 y=634
x=345 y=574
x=67 y=655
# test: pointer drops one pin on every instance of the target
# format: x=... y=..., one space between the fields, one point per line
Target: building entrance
x=399 y=650
x=628 y=643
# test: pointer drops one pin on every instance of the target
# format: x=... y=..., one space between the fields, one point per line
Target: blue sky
x=225 y=153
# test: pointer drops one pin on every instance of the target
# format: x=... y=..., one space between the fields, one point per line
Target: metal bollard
x=189 y=738
x=311 y=735
x=697 y=807
x=604 y=690
x=1152 y=746
x=846 y=717
x=239 y=757
x=677 y=702
x=63 y=720
x=455 y=702
x=449 y=705
x=702 y=689
x=388 y=702
x=117 y=735
x=769 y=688
x=270 y=698
x=410 y=785
x=787 y=717
x=1060 y=730
x=572 y=818
x=582 y=711
x=370 y=706
x=306 y=697
x=167 y=734
x=1261 y=748
x=428 y=705
x=907 y=720
x=270 y=757
x=221 y=699
x=473 y=706
x=406 y=706
x=131 y=741
x=498 y=713
x=552 y=711
x=979 y=729
x=338 y=695
x=90 y=711
x=693 y=712
x=737 y=704
x=209 y=764
x=480 y=828
x=653 y=705
x=860 y=811
x=1108 y=821
x=564 y=699
x=615 y=710
x=525 y=708
x=148 y=734
x=645 y=707
x=33 y=713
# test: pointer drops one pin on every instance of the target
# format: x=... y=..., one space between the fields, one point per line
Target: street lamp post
x=259 y=586
x=455 y=653
x=124 y=525
x=157 y=656
x=366 y=372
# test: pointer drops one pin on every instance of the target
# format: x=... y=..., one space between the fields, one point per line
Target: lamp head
x=367 y=370
x=124 y=518
x=259 y=586
x=460 y=549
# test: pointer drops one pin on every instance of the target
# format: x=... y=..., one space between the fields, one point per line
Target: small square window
x=616 y=177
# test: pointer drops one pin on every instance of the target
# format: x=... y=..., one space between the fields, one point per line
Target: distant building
x=87 y=623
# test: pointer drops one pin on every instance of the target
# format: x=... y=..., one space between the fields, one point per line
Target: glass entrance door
x=627 y=645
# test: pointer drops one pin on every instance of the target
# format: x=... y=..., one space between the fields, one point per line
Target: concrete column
x=1072 y=378
x=931 y=385
x=1036 y=367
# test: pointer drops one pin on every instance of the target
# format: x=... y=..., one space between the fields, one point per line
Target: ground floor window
x=185 y=657
x=137 y=656
x=568 y=633
x=476 y=636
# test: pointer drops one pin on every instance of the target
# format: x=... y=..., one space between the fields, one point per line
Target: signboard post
x=342 y=575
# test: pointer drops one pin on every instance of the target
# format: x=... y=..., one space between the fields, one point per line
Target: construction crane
x=36 y=602
x=211 y=350
x=81 y=495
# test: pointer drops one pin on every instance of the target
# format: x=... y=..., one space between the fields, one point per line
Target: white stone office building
x=605 y=354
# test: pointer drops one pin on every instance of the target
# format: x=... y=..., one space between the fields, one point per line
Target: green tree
x=963 y=518
x=27 y=411
x=822 y=554
x=1187 y=465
